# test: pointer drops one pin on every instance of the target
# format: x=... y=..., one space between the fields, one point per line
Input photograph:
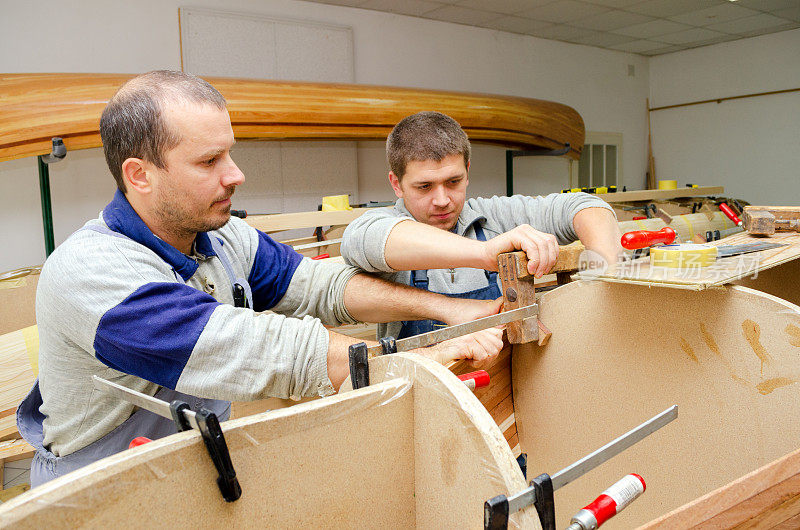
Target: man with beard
x=165 y=293
x=436 y=239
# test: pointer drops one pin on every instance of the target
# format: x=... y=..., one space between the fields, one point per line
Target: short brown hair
x=425 y=136
x=132 y=124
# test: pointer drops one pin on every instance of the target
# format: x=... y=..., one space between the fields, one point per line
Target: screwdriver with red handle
x=647 y=238
x=727 y=210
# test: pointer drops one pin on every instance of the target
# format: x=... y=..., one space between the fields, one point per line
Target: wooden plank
x=13 y=450
x=620 y=354
x=291 y=221
x=37 y=107
x=16 y=378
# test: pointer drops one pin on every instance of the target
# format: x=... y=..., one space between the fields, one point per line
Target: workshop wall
x=751 y=145
x=127 y=37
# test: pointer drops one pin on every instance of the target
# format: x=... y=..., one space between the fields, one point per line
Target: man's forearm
x=412 y=245
x=599 y=231
x=371 y=299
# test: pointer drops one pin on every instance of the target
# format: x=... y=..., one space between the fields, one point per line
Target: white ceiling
x=646 y=27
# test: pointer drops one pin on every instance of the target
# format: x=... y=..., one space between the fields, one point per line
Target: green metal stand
x=57 y=154
x=47 y=208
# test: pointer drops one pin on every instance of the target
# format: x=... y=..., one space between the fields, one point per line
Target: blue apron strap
x=419 y=279
x=216 y=244
x=491 y=276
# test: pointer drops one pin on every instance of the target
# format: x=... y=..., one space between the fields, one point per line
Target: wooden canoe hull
x=37 y=107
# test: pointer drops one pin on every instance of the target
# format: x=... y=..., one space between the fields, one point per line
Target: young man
x=163 y=293
x=435 y=239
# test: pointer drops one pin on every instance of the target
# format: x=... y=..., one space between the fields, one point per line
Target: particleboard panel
x=37 y=107
x=724 y=271
x=764 y=498
x=620 y=354
x=461 y=459
x=303 y=458
x=16 y=376
x=378 y=457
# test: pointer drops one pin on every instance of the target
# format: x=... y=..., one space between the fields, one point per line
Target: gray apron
x=46 y=466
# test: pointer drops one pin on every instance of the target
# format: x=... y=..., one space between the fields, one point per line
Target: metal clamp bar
x=528 y=496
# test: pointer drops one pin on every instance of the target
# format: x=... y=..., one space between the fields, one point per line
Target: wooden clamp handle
x=518 y=291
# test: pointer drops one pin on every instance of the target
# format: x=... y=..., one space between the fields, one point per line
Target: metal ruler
x=459 y=330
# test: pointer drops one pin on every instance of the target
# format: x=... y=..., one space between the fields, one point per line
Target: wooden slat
x=37 y=107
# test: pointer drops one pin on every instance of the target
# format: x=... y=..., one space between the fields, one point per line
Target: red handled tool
x=647 y=238
x=322 y=256
x=730 y=213
x=139 y=440
x=609 y=503
x=475 y=380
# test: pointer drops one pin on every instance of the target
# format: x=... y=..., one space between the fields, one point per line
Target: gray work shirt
x=364 y=240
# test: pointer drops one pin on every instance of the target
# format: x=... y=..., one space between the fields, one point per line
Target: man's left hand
x=466 y=310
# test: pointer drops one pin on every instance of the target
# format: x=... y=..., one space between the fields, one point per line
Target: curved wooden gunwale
x=37 y=107
x=727 y=357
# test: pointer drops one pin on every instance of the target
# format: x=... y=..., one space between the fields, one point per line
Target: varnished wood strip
x=497 y=392
x=37 y=107
x=513 y=442
x=504 y=409
x=793 y=523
